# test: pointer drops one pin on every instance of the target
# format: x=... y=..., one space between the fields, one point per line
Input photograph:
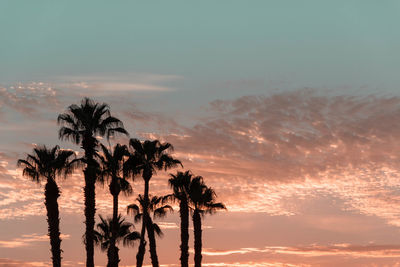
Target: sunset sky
x=290 y=110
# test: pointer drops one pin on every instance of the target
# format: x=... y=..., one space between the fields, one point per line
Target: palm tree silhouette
x=147 y=158
x=81 y=124
x=104 y=235
x=203 y=201
x=47 y=164
x=180 y=183
x=112 y=167
x=155 y=206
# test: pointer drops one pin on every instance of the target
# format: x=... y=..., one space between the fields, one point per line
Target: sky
x=288 y=109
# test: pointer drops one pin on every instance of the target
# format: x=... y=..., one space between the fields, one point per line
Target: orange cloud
x=26 y=240
x=260 y=152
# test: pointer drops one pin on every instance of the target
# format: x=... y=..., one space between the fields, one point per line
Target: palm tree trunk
x=152 y=242
x=142 y=246
x=113 y=258
x=90 y=211
x=52 y=193
x=197 y=238
x=89 y=145
x=148 y=222
x=184 y=213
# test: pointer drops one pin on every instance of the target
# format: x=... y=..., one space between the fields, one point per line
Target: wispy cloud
x=118 y=82
x=38 y=97
x=26 y=240
x=168 y=225
x=268 y=149
x=6 y=262
x=356 y=251
x=28 y=98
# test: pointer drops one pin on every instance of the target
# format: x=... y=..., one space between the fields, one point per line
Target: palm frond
x=131 y=238
x=133 y=209
x=136 y=144
x=211 y=208
x=66 y=133
x=126 y=187
x=170 y=198
x=157 y=230
x=112 y=131
x=162 y=211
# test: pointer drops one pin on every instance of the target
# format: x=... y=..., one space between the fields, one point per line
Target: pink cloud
x=26 y=240
x=267 y=149
x=274 y=155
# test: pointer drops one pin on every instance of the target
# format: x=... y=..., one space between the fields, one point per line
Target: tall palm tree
x=46 y=164
x=180 y=183
x=112 y=167
x=203 y=201
x=81 y=124
x=103 y=236
x=147 y=158
x=159 y=210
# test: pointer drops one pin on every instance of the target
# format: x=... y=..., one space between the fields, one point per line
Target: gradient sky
x=289 y=110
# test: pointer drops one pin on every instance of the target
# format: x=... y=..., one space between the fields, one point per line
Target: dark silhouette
x=112 y=167
x=203 y=201
x=47 y=164
x=82 y=123
x=103 y=236
x=180 y=183
x=155 y=206
x=148 y=157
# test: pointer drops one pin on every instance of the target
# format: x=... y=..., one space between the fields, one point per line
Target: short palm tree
x=103 y=236
x=81 y=124
x=147 y=158
x=159 y=210
x=203 y=201
x=111 y=164
x=46 y=164
x=180 y=183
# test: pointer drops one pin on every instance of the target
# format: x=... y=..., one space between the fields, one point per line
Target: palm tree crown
x=156 y=206
x=203 y=197
x=148 y=157
x=88 y=120
x=47 y=163
x=112 y=168
x=180 y=184
x=124 y=232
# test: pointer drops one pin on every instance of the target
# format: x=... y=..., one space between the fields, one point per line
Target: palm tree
x=81 y=124
x=146 y=159
x=46 y=164
x=203 y=201
x=111 y=167
x=103 y=236
x=159 y=210
x=180 y=183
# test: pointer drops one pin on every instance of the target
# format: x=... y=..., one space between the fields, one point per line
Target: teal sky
x=283 y=43
x=289 y=110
